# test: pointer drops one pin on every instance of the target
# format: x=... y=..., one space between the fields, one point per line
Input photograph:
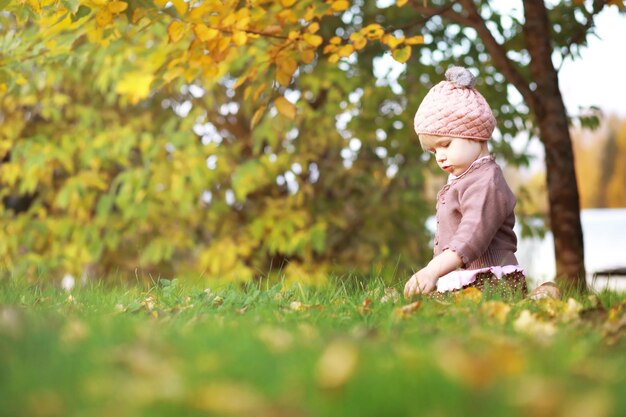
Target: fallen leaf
x=275 y=339
x=229 y=398
x=336 y=365
x=477 y=368
x=74 y=331
x=572 y=310
x=471 y=294
x=218 y=301
x=497 y=310
x=595 y=403
x=299 y=306
x=532 y=325
x=536 y=396
x=391 y=295
x=365 y=308
x=10 y=321
x=407 y=310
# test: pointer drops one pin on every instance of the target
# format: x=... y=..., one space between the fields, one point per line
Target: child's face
x=453 y=155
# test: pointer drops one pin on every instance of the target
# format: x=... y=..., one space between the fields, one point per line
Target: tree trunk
x=551 y=115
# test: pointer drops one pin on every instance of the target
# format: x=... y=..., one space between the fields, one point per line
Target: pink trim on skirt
x=458 y=279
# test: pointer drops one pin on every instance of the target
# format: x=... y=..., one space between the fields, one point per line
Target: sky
x=594 y=78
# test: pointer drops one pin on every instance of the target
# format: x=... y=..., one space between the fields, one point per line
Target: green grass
x=177 y=350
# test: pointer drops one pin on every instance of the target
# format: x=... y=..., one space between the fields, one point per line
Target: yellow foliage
x=135 y=85
x=285 y=107
x=240 y=38
x=181 y=6
x=116 y=7
x=392 y=41
x=339 y=5
x=313 y=40
x=104 y=17
x=345 y=51
x=204 y=33
x=402 y=54
x=120 y=178
x=308 y=56
x=313 y=27
x=176 y=31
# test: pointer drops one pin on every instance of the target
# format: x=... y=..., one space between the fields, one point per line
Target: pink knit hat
x=454 y=108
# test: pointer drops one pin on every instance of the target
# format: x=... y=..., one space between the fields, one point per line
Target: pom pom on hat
x=460 y=76
x=455 y=108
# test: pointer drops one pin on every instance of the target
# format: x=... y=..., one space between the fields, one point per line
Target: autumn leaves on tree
x=238 y=139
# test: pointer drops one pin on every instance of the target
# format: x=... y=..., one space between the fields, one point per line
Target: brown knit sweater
x=475 y=217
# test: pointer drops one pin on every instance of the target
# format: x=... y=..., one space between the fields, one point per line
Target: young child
x=474 y=241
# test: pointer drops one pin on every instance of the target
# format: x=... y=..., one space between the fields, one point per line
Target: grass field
x=347 y=349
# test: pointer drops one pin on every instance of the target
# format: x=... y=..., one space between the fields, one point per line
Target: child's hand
x=422 y=282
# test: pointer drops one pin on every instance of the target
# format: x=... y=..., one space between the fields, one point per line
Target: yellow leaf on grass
x=285 y=107
x=175 y=31
x=287 y=3
x=406 y=310
x=532 y=325
x=336 y=365
x=472 y=294
x=229 y=398
x=276 y=339
x=117 y=6
x=401 y=3
x=496 y=310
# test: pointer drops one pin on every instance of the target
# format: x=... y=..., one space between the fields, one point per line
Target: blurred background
x=138 y=142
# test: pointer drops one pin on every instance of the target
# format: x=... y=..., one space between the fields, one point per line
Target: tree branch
x=498 y=54
x=497 y=51
x=579 y=36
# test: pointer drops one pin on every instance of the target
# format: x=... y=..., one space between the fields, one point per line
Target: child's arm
x=425 y=280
